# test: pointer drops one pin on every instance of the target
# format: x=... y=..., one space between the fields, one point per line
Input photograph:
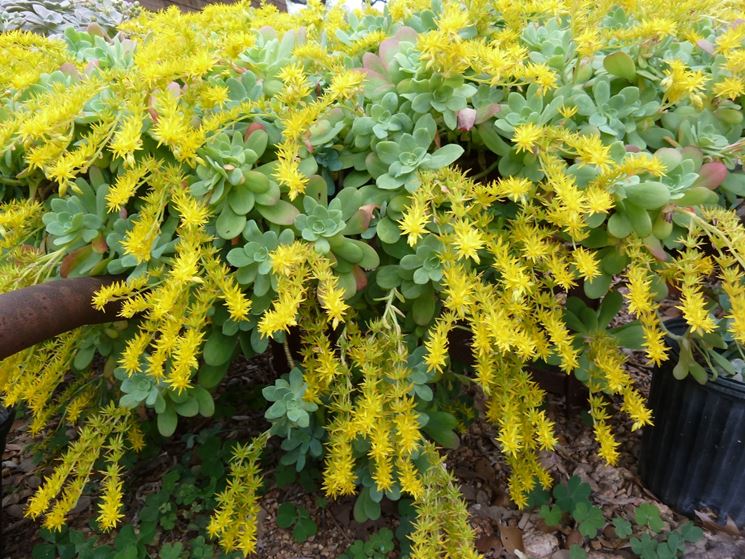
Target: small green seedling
x=377 y=546
x=297 y=518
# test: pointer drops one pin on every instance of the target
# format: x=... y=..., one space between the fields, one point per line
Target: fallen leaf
x=731 y=528
x=512 y=538
x=574 y=537
x=488 y=542
x=709 y=521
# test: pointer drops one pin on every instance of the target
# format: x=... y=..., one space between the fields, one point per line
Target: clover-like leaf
x=589 y=519
x=648 y=515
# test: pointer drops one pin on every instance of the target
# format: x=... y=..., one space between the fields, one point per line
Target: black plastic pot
x=693 y=458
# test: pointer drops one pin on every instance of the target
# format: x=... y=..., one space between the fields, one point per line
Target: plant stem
x=486 y=171
x=288 y=354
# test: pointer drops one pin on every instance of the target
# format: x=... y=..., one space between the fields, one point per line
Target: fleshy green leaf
x=443 y=157
x=620 y=64
x=281 y=213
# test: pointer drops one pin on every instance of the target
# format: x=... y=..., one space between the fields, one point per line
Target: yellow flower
x=654 y=340
x=437 y=345
x=634 y=406
x=215 y=95
x=346 y=85
x=639 y=296
x=526 y=137
x=514 y=188
x=468 y=240
x=339 y=477
x=695 y=310
x=414 y=222
x=591 y=150
x=568 y=111
x=680 y=82
x=587 y=265
x=332 y=300
x=110 y=507
x=409 y=479
x=288 y=173
x=608 y=444
x=730 y=88
x=458 y=289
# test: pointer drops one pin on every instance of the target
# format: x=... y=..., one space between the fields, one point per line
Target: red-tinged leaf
x=360 y=277
x=376 y=84
x=694 y=154
x=712 y=175
x=406 y=34
x=705 y=46
x=91 y=66
x=368 y=210
x=73 y=259
x=388 y=50
x=70 y=69
x=486 y=112
x=95 y=29
x=253 y=127
x=151 y=110
x=372 y=63
x=99 y=244
x=174 y=88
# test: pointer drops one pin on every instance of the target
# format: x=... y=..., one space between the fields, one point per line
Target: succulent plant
x=447 y=96
x=53 y=17
x=411 y=153
x=80 y=223
x=384 y=118
x=227 y=175
x=425 y=264
x=289 y=410
x=253 y=259
x=617 y=114
x=320 y=223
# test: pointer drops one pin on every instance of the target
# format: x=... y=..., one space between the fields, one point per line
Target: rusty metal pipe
x=34 y=314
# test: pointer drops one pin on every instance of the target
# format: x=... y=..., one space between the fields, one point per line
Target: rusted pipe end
x=34 y=314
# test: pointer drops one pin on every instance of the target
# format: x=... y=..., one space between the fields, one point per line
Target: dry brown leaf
x=512 y=538
x=488 y=542
x=708 y=519
x=574 y=537
x=731 y=528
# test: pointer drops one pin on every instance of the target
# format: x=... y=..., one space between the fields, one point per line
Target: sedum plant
x=372 y=182
x=53 y=17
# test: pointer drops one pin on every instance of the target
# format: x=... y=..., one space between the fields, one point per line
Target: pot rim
x=721 y=384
